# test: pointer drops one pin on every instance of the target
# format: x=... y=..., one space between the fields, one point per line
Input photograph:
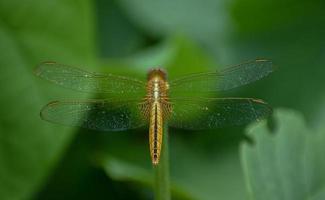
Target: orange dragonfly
x=178 y=102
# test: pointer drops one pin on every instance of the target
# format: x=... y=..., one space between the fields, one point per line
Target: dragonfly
x=180 y=103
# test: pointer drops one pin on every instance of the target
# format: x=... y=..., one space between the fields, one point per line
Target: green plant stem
x=162 y=182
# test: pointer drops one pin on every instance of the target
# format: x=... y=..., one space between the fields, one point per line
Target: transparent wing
x=233 y=77
x=77 y=79
x=209 y=113
x=103 y=115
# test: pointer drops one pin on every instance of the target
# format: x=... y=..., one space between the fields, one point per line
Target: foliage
x=287 y=163
x=31 y=33
x=127 y=38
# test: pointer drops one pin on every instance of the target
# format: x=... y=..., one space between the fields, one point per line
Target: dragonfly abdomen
x=155 y=131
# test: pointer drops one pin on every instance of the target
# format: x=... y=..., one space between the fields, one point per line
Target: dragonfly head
x=157 y=72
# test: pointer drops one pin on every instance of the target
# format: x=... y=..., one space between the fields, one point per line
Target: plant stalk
x=162 y=181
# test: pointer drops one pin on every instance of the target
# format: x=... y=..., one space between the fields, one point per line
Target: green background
x=280 y=160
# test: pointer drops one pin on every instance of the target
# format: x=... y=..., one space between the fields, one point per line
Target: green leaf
x=288 y=12
x=201 y=20
x=117 y=36
x=177 y=54
x=287 y=164
x=290 y=33
x=196 y=173
x=29 y=34
x=120 y=170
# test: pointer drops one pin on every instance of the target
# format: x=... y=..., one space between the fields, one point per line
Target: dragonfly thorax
x=157 y=86
x=157 y=72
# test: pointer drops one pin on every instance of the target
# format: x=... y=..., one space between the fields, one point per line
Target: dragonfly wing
x=209 y=113
x=103 y=115
x=80 y=80
x=230 y=78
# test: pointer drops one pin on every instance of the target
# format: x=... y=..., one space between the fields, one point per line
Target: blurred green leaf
x=287 y=164
x=30 y=33
x=188 y=58
x=277 y=15
x=290 y=33
x=201 y=20
x=319 y=118
x=194 y=173
x=123 y=171
x=117 y=36
x=178 y=54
